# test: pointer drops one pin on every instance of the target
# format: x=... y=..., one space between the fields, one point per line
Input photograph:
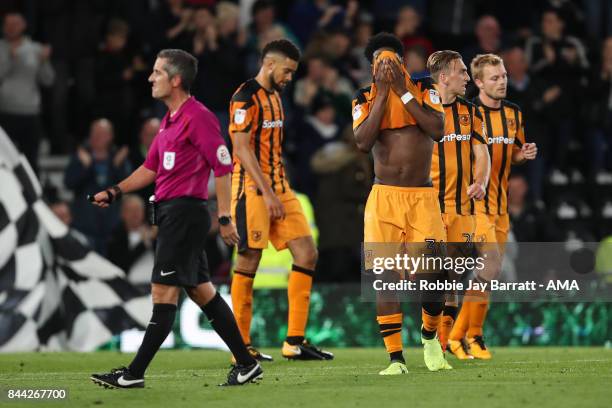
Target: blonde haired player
x=505 y=131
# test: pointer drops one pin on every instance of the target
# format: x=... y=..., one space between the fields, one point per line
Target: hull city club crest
x=511 y=124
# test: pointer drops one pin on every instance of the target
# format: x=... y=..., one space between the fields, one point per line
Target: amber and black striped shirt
x=256 y=111
x=505 y=134
x=452 y=162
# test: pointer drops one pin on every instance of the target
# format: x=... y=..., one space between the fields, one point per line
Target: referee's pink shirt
x=188 y=146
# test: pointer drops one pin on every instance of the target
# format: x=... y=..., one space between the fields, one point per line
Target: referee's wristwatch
x=225 y=220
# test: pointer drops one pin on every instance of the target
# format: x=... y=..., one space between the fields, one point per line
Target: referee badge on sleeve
x=169 y=160
x=239 y=116
x=223 y=155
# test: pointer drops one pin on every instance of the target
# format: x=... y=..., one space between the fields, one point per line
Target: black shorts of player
x=180 y=259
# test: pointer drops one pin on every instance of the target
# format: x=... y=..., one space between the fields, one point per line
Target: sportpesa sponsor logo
x=453 y=136
x=500 y=140
x=268 y=124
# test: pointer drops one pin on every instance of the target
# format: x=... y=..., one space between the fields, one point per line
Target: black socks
x=222 y=319
x=158 y=329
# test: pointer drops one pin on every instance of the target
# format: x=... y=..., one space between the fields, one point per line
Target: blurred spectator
x=204 y=36
x=554 y=52
x=220 y=49
x=488 y=39
x=61 y=209
x=516 y=17
x=451 y=22
x=24 y=65
x=306 y=88
x=263 y=14
x=148 y=131
x=138 y=153
x=115 y=68
x=172 y=23
x=387 y=11
x=322 y=76
x=535 y=97
x=572 y=13
x=560 y=60
x=598 y=117
x=74 y=31
x=132 y=237
x=529 y=222
x=263 y=29
x=407 y=29
x=308 y=16
x=598 y=16
x=94 y=167
x=362 y=73
x=319 y=128
x=415 y=59
x=344 y=181
x=337 y=47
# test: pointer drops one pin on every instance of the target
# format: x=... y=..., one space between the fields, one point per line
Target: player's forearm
x=367 y=133
x=432 y=123
x=223 y=186
x=482 y=165
x=140 y=178
x=249 y=162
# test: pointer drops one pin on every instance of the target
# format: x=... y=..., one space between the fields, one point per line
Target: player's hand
x=229 y=234
x=529 y=150
x=476 y=191
x=397 y=78
x=381 y=80
x=101 y=199
x=275 y=207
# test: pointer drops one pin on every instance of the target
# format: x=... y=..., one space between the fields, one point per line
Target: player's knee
x=248 y=261
x=313 y=256
x=202 y=294
x=164 y=294
x=307 y=258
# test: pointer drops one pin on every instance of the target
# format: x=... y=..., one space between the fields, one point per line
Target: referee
x=188 y=146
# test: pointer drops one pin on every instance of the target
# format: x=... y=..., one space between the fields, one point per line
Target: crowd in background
x=75 y=74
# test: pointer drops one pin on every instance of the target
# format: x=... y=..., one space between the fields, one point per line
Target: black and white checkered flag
x=55 y=292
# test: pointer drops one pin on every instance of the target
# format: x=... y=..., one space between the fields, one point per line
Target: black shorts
x=180 y=259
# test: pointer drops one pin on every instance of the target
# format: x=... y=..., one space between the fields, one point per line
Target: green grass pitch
x=516 y=377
